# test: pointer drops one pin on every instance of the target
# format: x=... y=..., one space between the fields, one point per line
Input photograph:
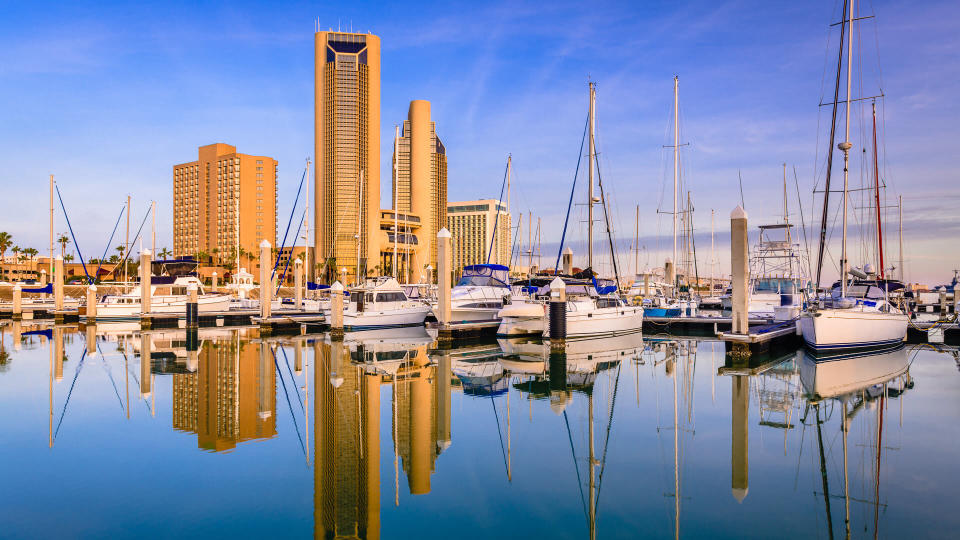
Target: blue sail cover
x=46 y=289
x=604 y=286
x=485 y=275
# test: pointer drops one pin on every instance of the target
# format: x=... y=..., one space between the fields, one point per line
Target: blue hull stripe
x=862 y=345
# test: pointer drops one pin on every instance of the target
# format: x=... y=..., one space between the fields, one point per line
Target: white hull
x=837 y=376
x=851 y=328
x=607 y=321
x=367 y=320
x=173 y=304
x=522 y=319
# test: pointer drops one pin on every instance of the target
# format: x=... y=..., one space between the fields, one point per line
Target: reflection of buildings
x=347 y=380
x=346 y=446
x=231 y=397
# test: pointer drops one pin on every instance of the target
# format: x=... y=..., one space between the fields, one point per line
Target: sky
x=109 y=96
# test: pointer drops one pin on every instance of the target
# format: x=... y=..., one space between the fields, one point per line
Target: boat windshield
x=780 y=285
x=484 y=275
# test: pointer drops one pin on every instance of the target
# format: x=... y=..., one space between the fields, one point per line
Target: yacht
x=479 y=295
x=595 y=310
x=381 y=303
x=168 y=294
x=776 y=276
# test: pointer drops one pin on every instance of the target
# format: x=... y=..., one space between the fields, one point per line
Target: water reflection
x=840 y=419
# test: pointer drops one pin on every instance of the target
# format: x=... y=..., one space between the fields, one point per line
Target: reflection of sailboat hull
x=839 y=329
x=840 y=374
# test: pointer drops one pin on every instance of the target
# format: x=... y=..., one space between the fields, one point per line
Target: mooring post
x=646 y=285
x=58 y=288
x=739 y=436
x=670 y=276
x=213 y=282
x=57 y=352
x=193 y=311
x=298 y=284
x=336 y=310
x=298 y=356
x=568 y=261
x=17 y=301
x=266 y=295
x=92 y=304
x=740 y=274
x=90 y=332
x=558 y=314
x=145 y=386
x=444 y=262
x=145 y=283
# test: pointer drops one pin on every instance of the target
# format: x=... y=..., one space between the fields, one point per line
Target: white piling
x=145 y=282
x=443 y=277
x=336 y=309
x=266 y=283
x=740 y=270
x=58 y=283
x=214 y=283
x=568 y=261
x=92 y=303
x=17 y=301
x=298 y=284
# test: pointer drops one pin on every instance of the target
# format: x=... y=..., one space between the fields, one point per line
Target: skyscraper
x=223 y=194
x=420 y=186
x=347 y=152
x=472 y=225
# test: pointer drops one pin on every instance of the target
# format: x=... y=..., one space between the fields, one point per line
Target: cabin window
x=391 y=297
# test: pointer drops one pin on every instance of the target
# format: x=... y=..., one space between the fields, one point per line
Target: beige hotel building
x=471 y=225
x=219 y=196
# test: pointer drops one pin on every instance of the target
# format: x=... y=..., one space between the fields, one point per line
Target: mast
x=636 y=246
x=509 y=167
x=396 y=179
x=845 y=147
x=592 y=151
x=50 y=271
x=833 y=131
x=676 y=162
x=876 y=179
x=153 y=228
x=713 y=250
x=359 y=226
x=306 y=234
x=900 y=220
x=530 y=243
x=592 y=507
x=126 y=243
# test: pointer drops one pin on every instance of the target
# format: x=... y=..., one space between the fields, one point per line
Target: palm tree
x=68 y=257
x=16 y=252
x=6 y=241
x=164 y=253
x=216 y=253
x=31 y=253
x=63 y=240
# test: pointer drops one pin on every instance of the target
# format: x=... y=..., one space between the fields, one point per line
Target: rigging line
x=283 y=244
x=803 y=222
x=833 y=132
x=287 y=395
x=110 y=241
x=126 y=254
x=575 y=466
x=502 y=451
x=286 y=266
x=566 y=220
x=496 y=219
x=70 y=392
x=606 y=442
x=740 y=178
x=513 y=247
x=295 y=387
x=606 y=219
x=112 y=381
x=70 y=227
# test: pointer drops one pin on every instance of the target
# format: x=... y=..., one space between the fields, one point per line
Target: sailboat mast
x=876 y=179
x=50 y=271
x=833 y=130
x=126 y=243
x=396 y=209
x=676 y=160
x=636 y=246
x=845 y=147
x=153 y=228
x=529 y=243
x=900 y=221
x=592 y=507
x=306 y=234
x=591 y=151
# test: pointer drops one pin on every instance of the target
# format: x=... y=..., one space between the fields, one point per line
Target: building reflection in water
x=230 y=398
x=348 y=377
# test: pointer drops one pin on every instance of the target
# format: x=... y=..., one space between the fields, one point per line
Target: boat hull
x=205 y=304
x=608 y=321
x=850 y=329
x=522 y=319
x=371 y=320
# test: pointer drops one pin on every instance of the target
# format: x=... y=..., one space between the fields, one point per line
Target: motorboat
x=382 y=303
x=168 y=294
x=479 y=295
x=596 y=309
x=776 y=276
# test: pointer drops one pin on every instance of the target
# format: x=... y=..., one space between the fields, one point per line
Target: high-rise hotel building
x=219 y=196
x=472 y=225
x=347 y=153
x=419 y=188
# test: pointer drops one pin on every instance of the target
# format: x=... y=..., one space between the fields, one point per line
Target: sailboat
x=595 y=308
x=860 y=314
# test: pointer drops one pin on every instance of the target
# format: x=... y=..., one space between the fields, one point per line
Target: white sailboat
x=860 y=316
x=168 y=294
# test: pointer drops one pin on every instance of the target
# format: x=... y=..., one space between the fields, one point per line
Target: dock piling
x=558 y=313
x=670 y=276
x=214 y=283
x=444 y=260
x=145 y=282
x=265 y=281
x=336 y=310
x=568 y=261
x=91 y=303
x=740 y=275
x=298 y=284
x=145 y=354
x=17 y=301
x=193 y=311
x=58 y=288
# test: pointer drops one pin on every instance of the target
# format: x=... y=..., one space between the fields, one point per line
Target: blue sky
x=108 y=96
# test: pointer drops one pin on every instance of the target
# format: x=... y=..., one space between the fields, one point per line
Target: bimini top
x=485 y=275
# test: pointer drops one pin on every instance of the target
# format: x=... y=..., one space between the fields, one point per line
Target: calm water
x=382 y=436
